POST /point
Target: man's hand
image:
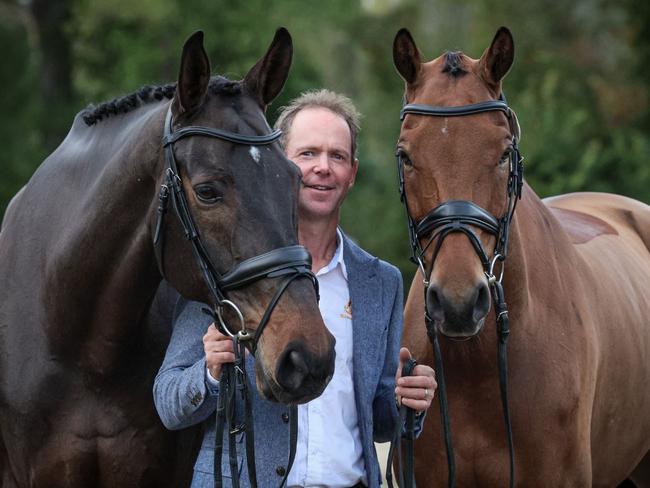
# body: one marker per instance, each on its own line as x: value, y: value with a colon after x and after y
x: 415, y: 391
x: 218, y: 350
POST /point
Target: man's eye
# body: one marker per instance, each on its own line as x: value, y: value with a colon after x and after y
x: 207, y: 193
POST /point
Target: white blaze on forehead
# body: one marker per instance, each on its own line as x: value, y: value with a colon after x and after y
x: 255, y: 153
x: 444, y: 129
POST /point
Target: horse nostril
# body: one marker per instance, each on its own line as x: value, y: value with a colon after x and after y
x: 482, y: 303
x: 292, y: 370
x: 435, y: 302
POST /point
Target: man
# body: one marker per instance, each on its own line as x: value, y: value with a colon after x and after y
x: 361, y: 304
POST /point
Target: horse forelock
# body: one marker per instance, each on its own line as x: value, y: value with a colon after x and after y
x: 453, y: 64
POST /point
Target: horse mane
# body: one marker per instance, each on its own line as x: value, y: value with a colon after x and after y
x: 453, y: 64
x: 147, y: 94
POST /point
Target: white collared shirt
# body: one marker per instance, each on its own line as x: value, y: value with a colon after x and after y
x: 329, y: 452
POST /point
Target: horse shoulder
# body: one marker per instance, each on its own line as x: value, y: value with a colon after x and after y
x: 585, y: 216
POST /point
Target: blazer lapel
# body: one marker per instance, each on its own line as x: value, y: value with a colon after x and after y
x: 365, y: 296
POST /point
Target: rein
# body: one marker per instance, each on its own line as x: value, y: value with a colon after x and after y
x: 288, y: 263
x: 406, y: 471
x: 460, y: 216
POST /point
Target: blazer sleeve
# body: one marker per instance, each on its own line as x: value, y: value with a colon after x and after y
x: 180, y: 390
x: 385, y: 413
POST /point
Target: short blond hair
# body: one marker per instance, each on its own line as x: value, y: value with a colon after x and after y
x: 323, y: 98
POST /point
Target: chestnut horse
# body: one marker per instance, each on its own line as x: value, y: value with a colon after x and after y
x: 576, y: 282
x: 84, y: 319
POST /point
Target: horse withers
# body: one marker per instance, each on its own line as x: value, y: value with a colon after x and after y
x: 84, y: 318
x: 575, y: 281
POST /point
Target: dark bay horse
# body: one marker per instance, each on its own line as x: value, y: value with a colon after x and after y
x: 84, y: 318
x: 576, y: 281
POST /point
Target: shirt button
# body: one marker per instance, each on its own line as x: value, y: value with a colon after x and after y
x: 285, y: 418
x: 280, y: 470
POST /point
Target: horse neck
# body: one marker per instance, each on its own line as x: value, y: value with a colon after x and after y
x: 105, y: 255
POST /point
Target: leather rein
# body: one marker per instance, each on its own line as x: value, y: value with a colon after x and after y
x: 288, y: 263
x: 461, y: 216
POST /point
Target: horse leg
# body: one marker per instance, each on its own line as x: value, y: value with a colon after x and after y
x: 641, y: 474
x: 640, y: 477
x: 628, y: 483
x: 7, y: 479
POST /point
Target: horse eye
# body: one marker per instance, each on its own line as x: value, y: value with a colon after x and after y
x: 404, y: 159
x: 207, y: 193
x: 505, y: 158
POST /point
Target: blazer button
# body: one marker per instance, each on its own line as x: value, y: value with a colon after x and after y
x: 280, y: 470
x: 285, y: 418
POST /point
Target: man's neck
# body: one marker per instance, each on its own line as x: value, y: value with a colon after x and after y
x: 319, y: 237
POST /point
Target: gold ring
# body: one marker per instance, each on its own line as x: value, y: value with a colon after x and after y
x: 426, y: 393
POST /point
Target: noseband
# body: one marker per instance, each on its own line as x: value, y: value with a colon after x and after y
x: 464, y: 216
x: 289, y: 263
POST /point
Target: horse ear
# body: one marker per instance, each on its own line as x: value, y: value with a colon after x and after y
x: 194, y: 75
x: 406, y: 56
x: 497, y: 59
x: 266, y: 79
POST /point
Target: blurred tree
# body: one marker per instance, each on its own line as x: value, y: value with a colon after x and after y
x: 55, y: 77
x: 22, y: 143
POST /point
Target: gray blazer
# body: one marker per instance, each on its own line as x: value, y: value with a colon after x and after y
x: 183, y: 398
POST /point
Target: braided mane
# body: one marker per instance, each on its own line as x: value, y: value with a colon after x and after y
x: 147, y: 94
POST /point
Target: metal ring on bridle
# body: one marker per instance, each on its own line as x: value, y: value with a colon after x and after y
x: 242, y: 333
x: 490, y: 273
x: 420, y: 264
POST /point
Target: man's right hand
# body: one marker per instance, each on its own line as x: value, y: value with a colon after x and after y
x: 218, y: 350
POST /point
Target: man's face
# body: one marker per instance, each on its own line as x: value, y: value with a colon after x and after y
x: 319, y: 143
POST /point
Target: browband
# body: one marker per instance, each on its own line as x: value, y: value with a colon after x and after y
x: 473, y: 108
x: 193, y: 130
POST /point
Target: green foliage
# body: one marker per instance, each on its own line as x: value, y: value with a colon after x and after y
x: 579, y: 83
x: 22, y: 144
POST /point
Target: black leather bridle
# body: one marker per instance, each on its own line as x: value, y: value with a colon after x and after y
x: 462, y: 216
x: 289, y: 263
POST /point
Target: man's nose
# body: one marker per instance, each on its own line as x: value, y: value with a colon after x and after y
x: 322, y: 164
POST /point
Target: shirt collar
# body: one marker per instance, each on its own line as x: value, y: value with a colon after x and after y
x: 337, y: 258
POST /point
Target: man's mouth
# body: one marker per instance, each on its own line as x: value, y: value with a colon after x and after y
x: 319, y: 187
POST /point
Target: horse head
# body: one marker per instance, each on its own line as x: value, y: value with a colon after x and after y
x: 239, y: 211
x: 456, y: 152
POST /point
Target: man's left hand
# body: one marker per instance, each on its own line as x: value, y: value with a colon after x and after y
x: 415, y: 391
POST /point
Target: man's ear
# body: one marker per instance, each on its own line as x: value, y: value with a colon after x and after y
x: 355, y: 166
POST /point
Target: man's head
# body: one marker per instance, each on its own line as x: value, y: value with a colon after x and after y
x: 319, y: 135
x: 335, y: 102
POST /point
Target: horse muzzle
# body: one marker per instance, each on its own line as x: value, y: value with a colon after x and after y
x: 299, y: 375
x: 457, y: 316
